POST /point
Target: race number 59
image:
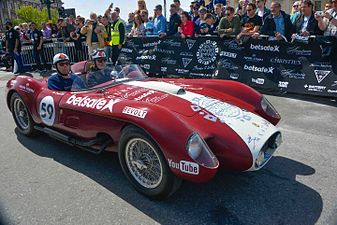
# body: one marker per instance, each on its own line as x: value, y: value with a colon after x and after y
x: 47, y: 110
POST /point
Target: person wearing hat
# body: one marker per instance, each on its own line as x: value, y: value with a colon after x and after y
x: 63, y: 79
x: 13, y: 46
x: 200, y: 23
x: 99, y: 73
x: 36, y: 38
x: 159, y: 21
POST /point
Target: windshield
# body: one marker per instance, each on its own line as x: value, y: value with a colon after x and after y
x: 109, y: 76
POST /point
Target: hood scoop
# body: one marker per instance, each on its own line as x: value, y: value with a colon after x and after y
x: 159, y: 86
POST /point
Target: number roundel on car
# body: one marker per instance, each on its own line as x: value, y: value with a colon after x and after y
x: 47, y: 110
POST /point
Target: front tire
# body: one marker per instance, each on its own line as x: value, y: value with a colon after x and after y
x: 21, y: 115
x: 145, y: 166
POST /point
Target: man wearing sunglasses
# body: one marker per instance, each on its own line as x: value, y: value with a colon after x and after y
x: 100, y: 73
x: 63, y: 79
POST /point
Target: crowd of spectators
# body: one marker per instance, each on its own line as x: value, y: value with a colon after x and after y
x: 108, y: 31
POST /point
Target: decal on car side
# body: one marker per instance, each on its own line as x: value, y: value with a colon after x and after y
x: 185, y: 166
x: 47, y: 110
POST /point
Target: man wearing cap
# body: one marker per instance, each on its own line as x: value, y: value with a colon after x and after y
x: 36, y: 38
x: 13, y: 46
x: 63, y: 79
x: 201, y: 22
x: 159, y: 21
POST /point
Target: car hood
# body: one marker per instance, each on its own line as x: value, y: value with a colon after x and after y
x: 191, y: 101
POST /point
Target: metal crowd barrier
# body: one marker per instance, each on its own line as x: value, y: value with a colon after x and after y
x: 50, y: 49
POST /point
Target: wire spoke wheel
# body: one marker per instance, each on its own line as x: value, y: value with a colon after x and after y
x: 21, y: 113
x: 143, y: 163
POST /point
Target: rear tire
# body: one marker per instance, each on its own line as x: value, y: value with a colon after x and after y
x: 21, y: 115
x: 145, y: 166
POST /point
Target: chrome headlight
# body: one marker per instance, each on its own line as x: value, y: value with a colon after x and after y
x: 269, y: 108
x: 198, y: 150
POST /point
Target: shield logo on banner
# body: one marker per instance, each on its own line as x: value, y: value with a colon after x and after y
x: 190, y: 43
x: 321, y: 75
x: 186, y: 61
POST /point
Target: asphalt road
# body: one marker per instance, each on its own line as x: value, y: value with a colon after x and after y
x: 43, y: 181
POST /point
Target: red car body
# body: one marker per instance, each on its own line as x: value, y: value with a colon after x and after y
x: 230, y: 117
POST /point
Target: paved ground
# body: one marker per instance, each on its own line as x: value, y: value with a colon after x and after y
x: 43, y: 181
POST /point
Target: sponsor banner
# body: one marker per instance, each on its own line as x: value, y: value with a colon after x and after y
x: 271, y: 65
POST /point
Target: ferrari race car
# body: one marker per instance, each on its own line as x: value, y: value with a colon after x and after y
x: 164, y: 130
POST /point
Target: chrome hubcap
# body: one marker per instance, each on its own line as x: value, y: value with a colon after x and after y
x: 143, y: 163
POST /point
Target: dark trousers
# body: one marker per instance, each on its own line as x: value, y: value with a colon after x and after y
x: 39, y: 57
x: 17, y: 57
x: 115, y: 51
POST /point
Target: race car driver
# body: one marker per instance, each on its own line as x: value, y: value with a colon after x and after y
x: 63, y: 79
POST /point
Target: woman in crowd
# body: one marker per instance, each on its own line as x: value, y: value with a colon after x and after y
x: 186, y: 28
x: 141, y: 5
x: 148, y: 24
x: 138, y: 27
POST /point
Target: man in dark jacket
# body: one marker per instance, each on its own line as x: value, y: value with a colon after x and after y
x: 305, y: 24
x: 13, y: 46
x: 278, y: 23
x: 175, y: 21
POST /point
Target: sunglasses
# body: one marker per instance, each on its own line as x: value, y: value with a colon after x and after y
x: 101, y: 60
x: 295, y: 6
x: 64, y: 64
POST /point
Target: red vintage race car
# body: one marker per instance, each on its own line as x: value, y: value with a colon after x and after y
x: 164, y: 130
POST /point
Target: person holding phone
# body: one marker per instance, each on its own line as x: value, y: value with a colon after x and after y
x: 96, y: 33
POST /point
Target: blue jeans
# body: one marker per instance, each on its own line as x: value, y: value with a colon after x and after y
x: 17, y: 57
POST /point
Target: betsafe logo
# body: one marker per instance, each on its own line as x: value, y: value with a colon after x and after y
x: 269, y: 48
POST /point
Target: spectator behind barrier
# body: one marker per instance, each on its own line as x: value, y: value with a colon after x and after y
x: 129, y: 24
x: 328, y: 5
x: 148, y: 25
x: 295, y: 11
x: 66, y: 29
x: 78, y: 38
x: 36, y: 38
x: 141, y: 5
x: 174, y: 22
x: 327, y: 21
x: 159, y: 21
x: 179, y: 10
x: 229, y: 25
x: 219, y: 13
x: 13, y: 46
x: 251, y: 23
x: 278, y: 23
x: 208, y: 28
x: 202, y: 20
x: 305, y: 24
x: 118, y: 37
x: 138, y: 27
x: 262, y: 11
x: 46, y: 31
x: 107, y: 40
x: 186, y: 28
x: 95, y: 33
x: 63, y: 79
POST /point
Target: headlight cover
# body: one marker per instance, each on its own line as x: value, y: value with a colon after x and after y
x: 198, y: 150
x: 269, y: 108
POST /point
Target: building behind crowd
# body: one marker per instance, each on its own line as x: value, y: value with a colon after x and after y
x: 8, y: 8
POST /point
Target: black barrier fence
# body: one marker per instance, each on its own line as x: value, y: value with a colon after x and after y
x: 304, y: 68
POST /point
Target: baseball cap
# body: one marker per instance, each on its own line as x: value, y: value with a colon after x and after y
x: 202, y: 10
